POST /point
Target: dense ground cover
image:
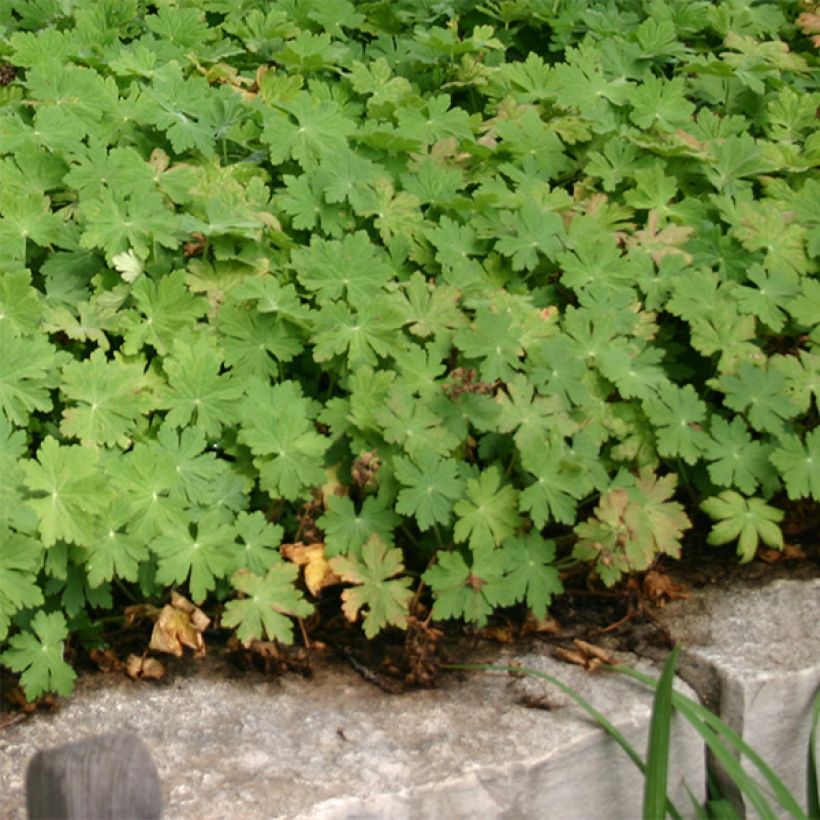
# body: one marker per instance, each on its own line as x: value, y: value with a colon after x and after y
x: 438, y: 297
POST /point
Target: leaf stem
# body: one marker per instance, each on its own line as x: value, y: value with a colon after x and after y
x: 124, y: 590
x: 404, y: 528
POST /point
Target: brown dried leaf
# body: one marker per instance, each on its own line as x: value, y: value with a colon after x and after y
x: 500, y: 634
x: 365, y: 468
x: 198, y: 618
x: 105, y: 660
x: 139, y: 612
x: 17, y: 697
x: 271, y: 658
x: 570, y: 656
x: 420, y: 651
x: 540, y: 626
x: 593, y: 651
x: 180, y: 623
x: 586, y: 654
x: 140, y: 668
x: 308, y: 530
x: 317, y: 571
x: 660, y: 588
x: 267, y: 649
x: 196, y: 245
x: 790, y: 552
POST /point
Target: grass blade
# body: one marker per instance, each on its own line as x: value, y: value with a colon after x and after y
x: 717, y: 735
x: 584, y: 704
x: 700, y: 811
x: 732, y: 766
x: 721, y: 810
x: 813, y: 793
x: 717, y: 806
x: 713, y: 809
x: 657, y: 751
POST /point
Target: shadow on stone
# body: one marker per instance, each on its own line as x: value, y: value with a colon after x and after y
x: 103, y: 777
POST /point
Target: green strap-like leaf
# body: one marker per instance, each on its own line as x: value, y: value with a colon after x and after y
x: 657, y: 753
x: 726, y: 744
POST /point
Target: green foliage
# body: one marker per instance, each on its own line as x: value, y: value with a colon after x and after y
x: 745, y: 520
x: 198, y: 553
x: 453, y: 278
x: 266, y: 604
x: 66, y: 490
x: 20, y: 562
x: 488, y: 513
x: 470, y: 591
x: 531, y: 576
x: 376, y: 592
x: 430, y: 487
x: 799, y: 463
x: 38, y: 654
x: 348, y: 529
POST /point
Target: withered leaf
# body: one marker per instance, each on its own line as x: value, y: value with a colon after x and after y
x: 502, y: 633
x: 139, y: 612
x: 17, y: 696
x: 540, y: 626
x: 660, y: 588
x: 570, y: 656
x: 585, y: 654
x: 317, y: 571
x: 267, y: 649
x: 365, y: 468
x: 199, y: 619
x: 105, y: 660
x: 594, y: 651
x: 790, y: 552
x: 138, y: 667
x: 180, y: 623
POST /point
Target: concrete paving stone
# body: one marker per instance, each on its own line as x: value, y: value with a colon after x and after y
x: 761, y: 645
x: 336, y: 747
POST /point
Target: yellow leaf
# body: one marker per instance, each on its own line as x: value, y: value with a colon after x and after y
x: 317, y: 571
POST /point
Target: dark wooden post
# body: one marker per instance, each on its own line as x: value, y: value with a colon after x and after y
x: 105, y: 777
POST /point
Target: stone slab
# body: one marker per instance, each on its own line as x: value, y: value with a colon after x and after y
x: 761, y: 646
x: 336, y: 747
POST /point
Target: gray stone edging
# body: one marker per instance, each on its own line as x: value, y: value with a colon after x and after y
x: 336, y: 747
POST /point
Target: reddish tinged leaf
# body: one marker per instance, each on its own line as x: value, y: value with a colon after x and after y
x: 377, y: 594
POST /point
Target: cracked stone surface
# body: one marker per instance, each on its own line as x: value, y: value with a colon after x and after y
x: 760, y: 648
x: 336, y: 747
